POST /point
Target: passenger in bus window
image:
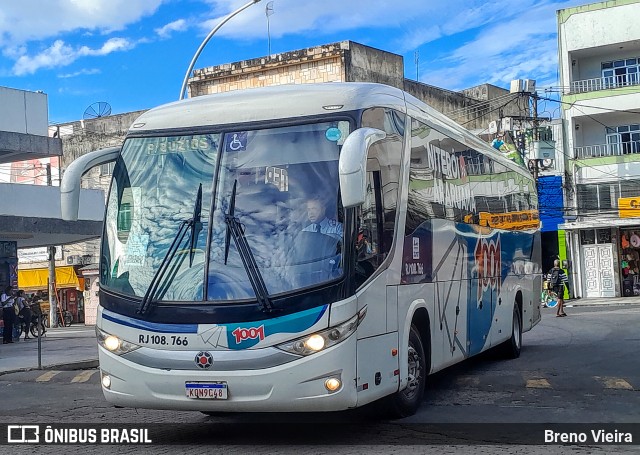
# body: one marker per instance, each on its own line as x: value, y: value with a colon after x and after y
x: 319, y: 222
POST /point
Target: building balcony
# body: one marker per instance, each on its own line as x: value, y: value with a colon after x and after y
x: 597, y: 151
x: 604, y: 83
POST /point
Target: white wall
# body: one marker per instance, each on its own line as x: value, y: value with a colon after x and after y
x: 44, y: 202
x: 601, y: 27
x: 23, y: 112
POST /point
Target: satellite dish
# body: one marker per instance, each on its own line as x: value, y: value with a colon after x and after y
x: 98, y: 109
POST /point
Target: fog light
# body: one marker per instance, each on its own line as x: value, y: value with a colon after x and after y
x: 106, y: 381
x: 111, y: 343
x: 332, y: 384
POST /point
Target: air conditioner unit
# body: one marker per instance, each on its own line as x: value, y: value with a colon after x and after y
x: 542, y: 150
x: 530, y: 85
x: 73, y: 260
x: 517, y: 86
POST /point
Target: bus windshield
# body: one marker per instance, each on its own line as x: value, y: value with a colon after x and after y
x: 285, y: 203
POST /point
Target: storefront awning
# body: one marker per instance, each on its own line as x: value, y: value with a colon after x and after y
x: 38, y: 279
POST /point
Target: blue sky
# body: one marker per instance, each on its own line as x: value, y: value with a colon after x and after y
x: 133, y: 54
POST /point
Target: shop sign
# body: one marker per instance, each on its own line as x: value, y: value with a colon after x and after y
x: 629, y: 207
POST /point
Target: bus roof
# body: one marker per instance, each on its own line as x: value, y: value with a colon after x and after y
x: 267, y: 103
x: 300, y: 100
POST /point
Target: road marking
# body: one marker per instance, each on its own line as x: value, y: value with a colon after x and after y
x: 47, y: 376
x: 613, y: 383
x: 84, y: 376
x: 538, y: 384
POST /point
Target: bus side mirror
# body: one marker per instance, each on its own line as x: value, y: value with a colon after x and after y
x: 353, y: 165
x: 70, y: 185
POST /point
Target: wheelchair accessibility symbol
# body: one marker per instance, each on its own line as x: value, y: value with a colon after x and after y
x: 236, y: 141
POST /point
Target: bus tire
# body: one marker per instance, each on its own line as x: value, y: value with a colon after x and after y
x: 512, y: 347
x: 406, y: 402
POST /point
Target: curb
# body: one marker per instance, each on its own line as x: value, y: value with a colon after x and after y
x: 585, y: 302
x: 70, y: 366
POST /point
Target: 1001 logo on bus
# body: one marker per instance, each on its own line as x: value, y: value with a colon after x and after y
x: 252, y: 333
x: 489, y: 265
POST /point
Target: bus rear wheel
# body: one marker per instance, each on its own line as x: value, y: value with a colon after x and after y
x: 512, y: 347
x: 407, y: 401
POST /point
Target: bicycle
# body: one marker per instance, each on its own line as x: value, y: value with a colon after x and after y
x: 66, y: 320
x: 32, y: 327
x: 548, y: 298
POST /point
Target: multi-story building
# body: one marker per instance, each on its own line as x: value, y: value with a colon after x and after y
x: 599, y: 56
x: 30, y: 218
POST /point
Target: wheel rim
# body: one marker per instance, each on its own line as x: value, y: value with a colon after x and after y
x: 415, y: 374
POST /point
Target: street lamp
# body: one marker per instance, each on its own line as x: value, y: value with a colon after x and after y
x: 206, y: 40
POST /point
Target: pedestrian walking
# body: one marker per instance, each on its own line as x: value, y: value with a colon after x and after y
x: 558, y: 280
x: 24, y: 313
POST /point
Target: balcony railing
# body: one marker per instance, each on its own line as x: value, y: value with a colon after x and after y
x: 595, y: 151
x: 604, y: 83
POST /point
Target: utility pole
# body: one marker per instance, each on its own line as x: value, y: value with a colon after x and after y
x: 535, y: 136
x: 53, y: 298
x: 417, y: 60
x: 268, y: 11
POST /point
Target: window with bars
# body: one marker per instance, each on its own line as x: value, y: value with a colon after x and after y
x: 620, y: 73
x: 624, y: 139
x: 107, y: 168
x: 602, y: 198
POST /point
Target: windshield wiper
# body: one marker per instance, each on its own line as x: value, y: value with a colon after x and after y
x: 196, y: 225
x: 158, y: 277
x: 235, y: 230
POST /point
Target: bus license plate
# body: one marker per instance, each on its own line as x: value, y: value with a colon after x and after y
x: 206, y: 390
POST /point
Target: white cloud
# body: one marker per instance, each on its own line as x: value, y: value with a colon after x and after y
x: 22, y: 21
x: 511, y: 38
x: 320, y: 17
x: 61, y: 54
x: 176, y: 26
x: 522, y: 45
x: 82, y: 72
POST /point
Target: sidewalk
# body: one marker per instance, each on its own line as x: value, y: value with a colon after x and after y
x: 66, y: 348
x: 635, y: 300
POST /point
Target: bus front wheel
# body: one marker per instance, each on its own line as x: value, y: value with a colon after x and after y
x: 407, y: 401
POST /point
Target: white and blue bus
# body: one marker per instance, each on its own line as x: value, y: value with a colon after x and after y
x: 216, y: 296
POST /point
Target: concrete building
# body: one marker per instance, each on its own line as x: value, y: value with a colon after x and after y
x: 599, y: 57
x: 347, y: 61
x: 551, y: 183
x: 30, y: 218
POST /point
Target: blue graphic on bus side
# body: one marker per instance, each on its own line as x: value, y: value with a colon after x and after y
x: 488, y: 259
x: 492, y: 258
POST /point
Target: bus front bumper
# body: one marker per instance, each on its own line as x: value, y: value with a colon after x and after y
x: 296, y: 386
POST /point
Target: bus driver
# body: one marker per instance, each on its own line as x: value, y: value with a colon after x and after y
x: 316, y: 213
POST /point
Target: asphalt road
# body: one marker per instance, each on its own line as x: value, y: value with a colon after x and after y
x: 581, y: 369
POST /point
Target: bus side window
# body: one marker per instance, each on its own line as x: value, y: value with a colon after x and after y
x: 368, y: 241
x: 378, y: 217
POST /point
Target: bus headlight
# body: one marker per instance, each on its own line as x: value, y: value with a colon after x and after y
x: 114, y: 344
x: 318, y: 341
